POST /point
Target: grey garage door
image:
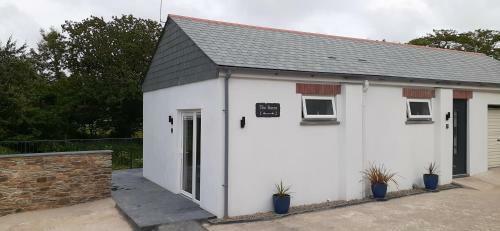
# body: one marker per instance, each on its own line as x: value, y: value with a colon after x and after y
x: 493, y: 137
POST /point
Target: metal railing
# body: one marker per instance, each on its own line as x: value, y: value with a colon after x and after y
x: 127, y: 152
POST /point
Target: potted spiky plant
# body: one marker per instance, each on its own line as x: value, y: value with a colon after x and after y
x: 281, y: 198
x: 379, y: 178
x: 431, y: 179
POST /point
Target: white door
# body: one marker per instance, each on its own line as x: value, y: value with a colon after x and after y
x: 493, y: 137
x: 191, y: 155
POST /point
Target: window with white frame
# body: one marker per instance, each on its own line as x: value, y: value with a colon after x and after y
x: 319, y: 108
x: 419, y: 109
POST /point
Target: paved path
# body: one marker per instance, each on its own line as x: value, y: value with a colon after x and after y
x: 456, y: 209
x: 148, y: 205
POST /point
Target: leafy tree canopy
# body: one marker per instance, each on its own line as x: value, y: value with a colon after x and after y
x: 17, y: 79
x: 482, y: 41
x: 80, y: 81
x: 107, y: 61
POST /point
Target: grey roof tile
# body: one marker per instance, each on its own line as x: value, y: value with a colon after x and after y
x: 229, y: 44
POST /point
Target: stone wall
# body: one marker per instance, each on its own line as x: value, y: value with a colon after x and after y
x: 50, y: 180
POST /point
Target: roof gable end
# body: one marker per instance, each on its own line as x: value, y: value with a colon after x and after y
x: 177, y: 61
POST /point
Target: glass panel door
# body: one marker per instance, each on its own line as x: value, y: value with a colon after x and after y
x: 191, y: 159
x: 187, y: 160
x: 198, y: 156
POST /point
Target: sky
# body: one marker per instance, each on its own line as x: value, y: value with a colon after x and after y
x: 392, y: 20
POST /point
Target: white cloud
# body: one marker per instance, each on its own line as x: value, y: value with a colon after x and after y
x: 393, y: 20
x: 21, y: 26
x: 399, y: 20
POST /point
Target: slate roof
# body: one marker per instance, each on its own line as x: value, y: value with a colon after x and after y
x: 237, y: 45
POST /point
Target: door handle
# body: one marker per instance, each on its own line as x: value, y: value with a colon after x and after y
x: 498, y: 139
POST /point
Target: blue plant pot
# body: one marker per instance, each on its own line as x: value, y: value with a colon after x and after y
x: 379, y: 190
x: 281, y: 204
x: 431, y: 181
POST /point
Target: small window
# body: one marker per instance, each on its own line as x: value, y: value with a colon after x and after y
x: 419, y: 109
x: 318, y: 108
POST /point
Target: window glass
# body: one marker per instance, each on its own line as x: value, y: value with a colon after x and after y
x: 419, y: 108
x: 319, y: 106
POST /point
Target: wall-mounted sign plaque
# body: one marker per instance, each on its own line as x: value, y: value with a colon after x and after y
x: 267, y: 109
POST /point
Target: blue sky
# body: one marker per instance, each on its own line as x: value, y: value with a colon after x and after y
x: 393, y: 20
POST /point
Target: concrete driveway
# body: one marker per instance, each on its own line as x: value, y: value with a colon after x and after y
x: 98, y: 215
x: 457, y: 209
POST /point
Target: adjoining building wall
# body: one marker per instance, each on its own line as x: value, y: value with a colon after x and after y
x: 163, y: 143
x: 477, y: 155
x: 51, y: 180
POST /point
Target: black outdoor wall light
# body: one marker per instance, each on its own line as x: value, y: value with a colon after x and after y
x: 242, y: 122
x: 171, y: 121
x: 448, y: 115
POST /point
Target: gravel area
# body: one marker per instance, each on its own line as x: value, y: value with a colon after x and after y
x: 323, y: 206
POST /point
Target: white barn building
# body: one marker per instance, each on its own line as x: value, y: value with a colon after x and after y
x: 230, y: 110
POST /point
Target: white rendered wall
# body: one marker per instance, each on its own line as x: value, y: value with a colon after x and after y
x: 406, y: 149
x: 162, y: 149
x: 477, y: 155
x: 268, y: 150
x: 323, y: 162
x: 443, y: 129
x: 351, y: 142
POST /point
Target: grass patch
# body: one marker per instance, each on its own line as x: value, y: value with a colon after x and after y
x: 5, y: 151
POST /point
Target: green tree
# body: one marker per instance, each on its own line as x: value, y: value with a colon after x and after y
x: 17, y: 79
x: 107, y: 61
x: 50, y: 55
x: 82, y: 81
x: 94, y: 68
x: 483, y: 41
x: 53, y: 116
